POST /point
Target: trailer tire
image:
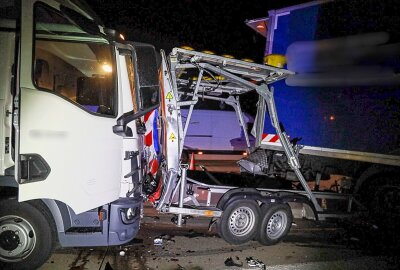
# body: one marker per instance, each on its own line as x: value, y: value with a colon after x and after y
x: 239, y: 222
x: 27, y: 236
x: 275, y: 224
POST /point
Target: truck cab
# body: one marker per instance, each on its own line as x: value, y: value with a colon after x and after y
x: 72, y: 94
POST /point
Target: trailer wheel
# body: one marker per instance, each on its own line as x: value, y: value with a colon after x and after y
x: 239, y: 222
x: 26, y: 237
x: 276, y: 223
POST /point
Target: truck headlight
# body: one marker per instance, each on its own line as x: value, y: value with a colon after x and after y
x: 128, y: 215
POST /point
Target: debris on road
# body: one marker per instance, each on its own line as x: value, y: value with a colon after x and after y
x: 122, y: 253
x: 229, y: 262
x: 158, y: 241
x: 180, y: 267
x: 255, y: 264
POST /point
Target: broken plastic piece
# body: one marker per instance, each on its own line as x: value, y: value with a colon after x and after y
x: 158, y: 241
x: 254, y: 263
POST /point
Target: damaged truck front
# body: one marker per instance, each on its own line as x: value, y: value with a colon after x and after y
x: 71, y: 97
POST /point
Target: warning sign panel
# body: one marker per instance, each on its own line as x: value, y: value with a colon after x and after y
x: 172, y: 137
x: 169, y: 96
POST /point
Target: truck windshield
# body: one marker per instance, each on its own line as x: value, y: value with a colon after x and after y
x: 72, y: 63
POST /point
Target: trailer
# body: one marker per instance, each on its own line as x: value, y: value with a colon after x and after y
x: 240, y: 214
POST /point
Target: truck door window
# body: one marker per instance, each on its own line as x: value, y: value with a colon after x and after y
x: 72, y: 63
x: 131, y: 75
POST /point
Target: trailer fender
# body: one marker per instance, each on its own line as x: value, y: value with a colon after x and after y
x: 296, y: 198
x: 238, y: 194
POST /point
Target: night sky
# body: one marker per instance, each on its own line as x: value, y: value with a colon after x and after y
x: 216, y: 25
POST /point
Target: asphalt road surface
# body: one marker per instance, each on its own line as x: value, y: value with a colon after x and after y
x: 308, y: 246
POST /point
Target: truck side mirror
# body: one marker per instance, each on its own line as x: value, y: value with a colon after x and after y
x: 147, y: 86
x: 147, y: 82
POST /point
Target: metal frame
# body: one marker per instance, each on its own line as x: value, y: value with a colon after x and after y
x: 239, y: 77
x: 384, y: 159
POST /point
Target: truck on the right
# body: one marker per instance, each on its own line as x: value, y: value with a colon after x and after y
x: 342, y: 108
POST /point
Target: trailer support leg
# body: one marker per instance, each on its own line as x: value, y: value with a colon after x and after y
x: 182, y: 188
x: 290, y: 151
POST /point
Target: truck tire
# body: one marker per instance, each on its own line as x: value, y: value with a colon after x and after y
x: 379, y: 193
x: 239, y: 222
x: 26, y: 235
x: 275, y: 224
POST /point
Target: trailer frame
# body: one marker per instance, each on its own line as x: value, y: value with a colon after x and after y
x: 184, y: 196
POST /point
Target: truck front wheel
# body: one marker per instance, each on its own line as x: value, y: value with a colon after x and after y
x: 276, y: 223
x: 26, y: 237
x: 239, y: 222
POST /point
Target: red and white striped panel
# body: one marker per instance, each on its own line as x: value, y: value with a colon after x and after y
x: 270, y: 139
x: 148, y: 121
x: 151, y: 143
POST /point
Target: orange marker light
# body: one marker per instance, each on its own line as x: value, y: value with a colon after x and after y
x: 209, y: 213
x: 208, y: 52
x: 260, y: 26
x: 228, y: 56
x: 187, y: 48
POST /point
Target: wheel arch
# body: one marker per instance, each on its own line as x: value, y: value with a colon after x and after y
x: 238, y: 194
x: 52, y: 209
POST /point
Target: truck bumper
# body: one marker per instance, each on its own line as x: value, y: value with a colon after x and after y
x: 125, y: 215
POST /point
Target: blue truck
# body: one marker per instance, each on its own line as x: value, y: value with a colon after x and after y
x: 345, y: 116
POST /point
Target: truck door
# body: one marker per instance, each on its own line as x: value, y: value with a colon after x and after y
x: 68, y: 106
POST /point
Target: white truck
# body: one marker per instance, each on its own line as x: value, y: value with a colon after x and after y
x: 72, y: 94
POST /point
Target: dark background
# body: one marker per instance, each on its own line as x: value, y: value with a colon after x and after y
x: 219, y: 25
x: 216, y: 25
